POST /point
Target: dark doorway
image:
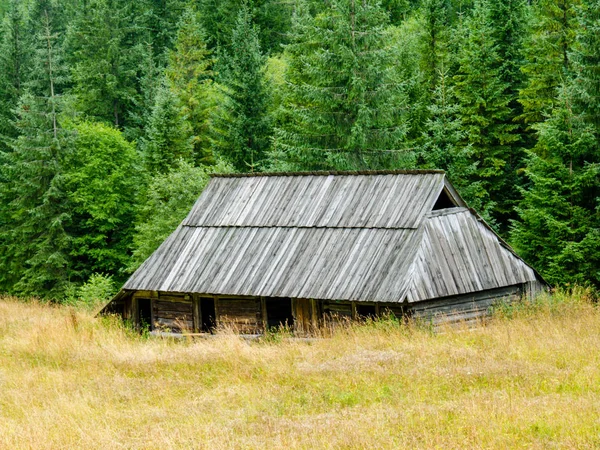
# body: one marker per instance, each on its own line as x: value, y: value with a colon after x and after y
x: 365, y: 311
x: 208, y: 314
x: 279, y: 312
x: 145, y: 313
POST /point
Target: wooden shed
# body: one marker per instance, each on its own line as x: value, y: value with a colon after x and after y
x: 261, y: 250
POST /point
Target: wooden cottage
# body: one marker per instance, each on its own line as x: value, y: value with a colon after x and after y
x: 261, y: 250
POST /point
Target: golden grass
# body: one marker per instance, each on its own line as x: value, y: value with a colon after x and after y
x: 530, y: 378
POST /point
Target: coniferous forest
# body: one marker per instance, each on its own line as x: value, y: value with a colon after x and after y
x: 113, y: 115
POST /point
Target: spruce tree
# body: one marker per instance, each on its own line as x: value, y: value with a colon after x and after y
x: 434, y: 38
x: 548, y: 56
x: 487, y: 84
x: 343, y: 106
x: 190, y: 77
x: 244, y: 129
x: 105, y: 49
x: 441, y: 146
x: 34, y: 242
x: 168, y: 136
x: 272, y: 17
x: 161, y: 21
x: 14, y: 66
x: 559, y: 226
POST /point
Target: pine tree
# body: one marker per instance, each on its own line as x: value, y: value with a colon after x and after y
x: 34, y: 242
x: 190, y: 78
x: 244, y: 130
x: 343, y: 107
x: 548, y: 55
x: 559, y: 226
x: 168, y: 134
x: 487, y: 84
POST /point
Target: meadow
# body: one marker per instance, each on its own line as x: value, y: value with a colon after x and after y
x: 528, y: 378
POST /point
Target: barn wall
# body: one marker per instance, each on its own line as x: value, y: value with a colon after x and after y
x: 463, y: 308
x: 173, y: 312
x: 337, y: 309
x: 181, y: 313
x: 242, y: 314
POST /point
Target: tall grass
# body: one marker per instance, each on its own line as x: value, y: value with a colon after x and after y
x: 529, y: 378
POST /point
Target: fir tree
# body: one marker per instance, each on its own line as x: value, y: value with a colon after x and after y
x: 487, y: 83
x: 190, y: 78
x: 441, y: 147
x: 168, y: 134
x: 245, y: 126
x: 559, y: 226
x: 35, y: 246
x: 548, y: 55
x: 272, y: 17
x: 343, y: 107
x: 105, y: 51
x: 14, y: 61
x: 434, y: 38
x: 162, y: 18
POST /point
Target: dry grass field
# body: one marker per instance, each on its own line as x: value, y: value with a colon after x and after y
x: 528, y: 379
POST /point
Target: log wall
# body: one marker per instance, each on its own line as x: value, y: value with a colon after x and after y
x: 468, y: 308
x: 242, y: 314
x: 174, y: 313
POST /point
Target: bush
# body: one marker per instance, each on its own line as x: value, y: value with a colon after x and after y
x: 97, y: 290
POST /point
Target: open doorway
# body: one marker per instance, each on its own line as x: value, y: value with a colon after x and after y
x: 279, y: 312
x: 208, y: 314
x: 144, y: 313
x: 365, y: 311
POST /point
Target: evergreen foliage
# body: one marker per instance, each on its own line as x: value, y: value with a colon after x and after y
x: 105, y: 52
x: 244, y: 128
x: 168, y: 134
x: 487, y: 84
x: 435, y: 38
x: 190, y: 78
x: 272, y: 17
x: 343, y: 106
x: 441, y: 147
x: 548, y: 56
x: 15, y: 58
x: 112, y: 113
x: 559, y: 227
x: 34, y: 242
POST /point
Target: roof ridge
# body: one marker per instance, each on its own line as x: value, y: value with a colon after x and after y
x: 328, y: 172
x: 317, y: 227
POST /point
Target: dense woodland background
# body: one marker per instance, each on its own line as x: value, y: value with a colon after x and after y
x: 114, y: 113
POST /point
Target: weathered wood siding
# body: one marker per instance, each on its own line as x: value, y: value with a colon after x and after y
x: 337, y: 309
x: 459, y: 255
x: 242, y: 314
x: 463, y: 308
x: 173, y: 313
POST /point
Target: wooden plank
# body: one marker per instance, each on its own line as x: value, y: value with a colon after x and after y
x: 197, y: 312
